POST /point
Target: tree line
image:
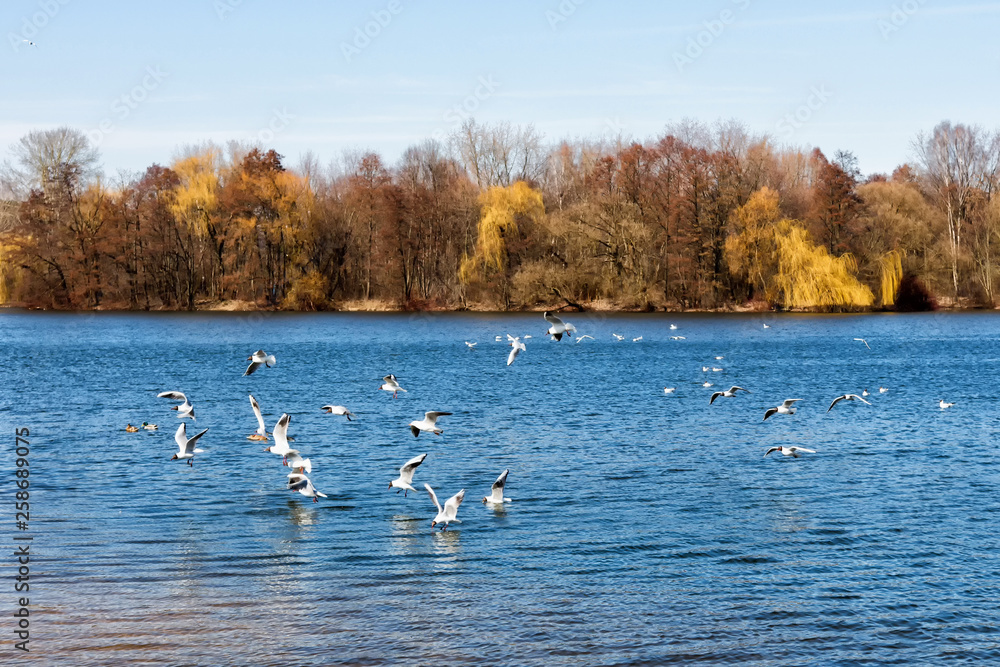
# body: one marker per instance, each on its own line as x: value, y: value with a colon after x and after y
x: 700, y: 217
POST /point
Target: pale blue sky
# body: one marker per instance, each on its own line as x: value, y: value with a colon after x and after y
x: 192, y: 70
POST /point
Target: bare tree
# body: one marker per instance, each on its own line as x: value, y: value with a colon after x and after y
x: 50, y: 160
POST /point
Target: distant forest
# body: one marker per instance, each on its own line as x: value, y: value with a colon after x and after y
x: 702, y: 217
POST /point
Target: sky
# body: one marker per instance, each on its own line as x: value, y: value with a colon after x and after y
x: 146, y: 79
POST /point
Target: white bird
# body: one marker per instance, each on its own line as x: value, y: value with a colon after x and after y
x: 391, y: 384
x: 558, y: 327
x: 673, y: 327
x: 580, y: 338
x: 516, y: 348
x: 706, y: 383
x: 185, y: 445
x: 183, y: 410
x: 29, y: 42
x: 865, y: 342
x: 261, y: 432
x: 729, y: 393
x: 618, y: 336
x: 847, y: 397
x: 943, y: 405
x: 258, y: 359
x: 428, y: 423
x: 499, y: 338
x: 299, y: 482
x: 338, y: 410
x: 865, y: 393
x: 882, y: 390
x: 449, y: 513
x: 705, y: 369
x: 669, y: 390
x: 716, y: 369
x: 637, y: 339
x: 790, y: 451
x: 719, y: 358
x: 471, y: 346
x: 527, y: 336
x: 405, y: 479
x: 496, y: 491
x: 294, y: 460
x: 280, y: 433
x: 678, y: 338
x: 786, y: 408
x: 767, y: 326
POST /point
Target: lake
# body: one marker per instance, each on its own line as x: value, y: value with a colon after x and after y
x: 646, y: 528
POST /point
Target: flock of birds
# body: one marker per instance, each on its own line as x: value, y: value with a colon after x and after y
x: 301, y: 467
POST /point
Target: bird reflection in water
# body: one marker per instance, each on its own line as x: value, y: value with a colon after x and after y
x: 302, y: 514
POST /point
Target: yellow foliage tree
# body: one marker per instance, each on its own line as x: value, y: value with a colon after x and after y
x: 778, y: 256
x: 500, y: 208
x: 891, y: 270
x: 196, y: 196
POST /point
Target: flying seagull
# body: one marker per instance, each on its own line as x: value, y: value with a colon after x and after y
x: 847, y: 397
x: 183, y: 410
x: 790, y: 451
x: 299, y: 482
x: 338, y: 410
x: 558, y: 327
x: 391, y: 384
x: 185, y: 445
x: 449, y: 513
x: 865, y: 342
x: 516, y: 348
x: 471, y: 346
x: 258, y: 359
x: 729, y: 393
x: 580, y: 338
x: 428, y: 423
x: 496, y: 491
x: 405, y: 479
x: 786, y: 408
x: 280, y: 433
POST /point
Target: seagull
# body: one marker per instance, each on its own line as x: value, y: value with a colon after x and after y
x: 185, y: 444
x: 865, y: 393
x: 516, y: 347
x: 618, y: 336
x: 499, y: 338
x: 405, y: 479
x: 790, y: 451
x: 719, y: 358
x: 669, y: 390
x: 428, y: 423
x: 865, y: 342
x: 496, y: 492
x: 767, y: 326
x: 636, y: 340
x: 580, y: 338
x: 882, y: 390
x: 786, y: 408
x: 943, y: 405
x: 729, y: 393
x: 704, y: 369
x: 678, y: 338
x: 391, y: 385
x: 299, y: 482
x: 149, y: 427
x: 261, y: 432
x: 184, y: 410
x: 706, y: 383
x: 280, y: 433
x: 716, y: 369
x: 256, y: 359
x: 847, y: 397
x: 558, y: 327
x: 471, y: 346
x: 338, y: 410
x: 450, y: 511
x: 294, y: 460
x: 673, y: 327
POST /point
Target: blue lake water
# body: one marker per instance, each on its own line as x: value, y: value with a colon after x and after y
x: 646, y: 528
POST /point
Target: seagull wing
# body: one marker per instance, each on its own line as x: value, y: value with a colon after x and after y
x: 451, y: 505
x: 415, y: 431
x: 802, y: 449
x: 254, y: 365
x: 281, y: 434
x: 773, y: 449
x: 406, y: 472
x: 432, y: 417
x: 189, y: 446
x: 767, y: 414
x: 433, y: 496
x: 261, y: 429
x: 788, y: 402
x: 513, y: 355
x: 735, y: 389
x: 549, y: 317
x: 173, y: 395
x: 858, y: 398
x: 838, y: 400
x: 715, y: 396
x: 180, y: 437
x: 497, y: 488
